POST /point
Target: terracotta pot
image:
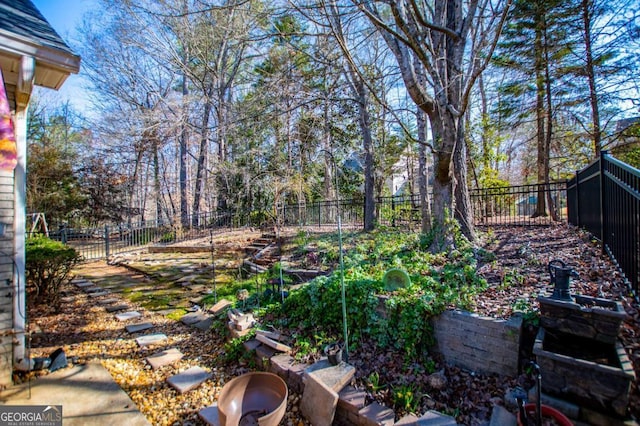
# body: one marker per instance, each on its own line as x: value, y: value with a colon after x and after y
x: 547, y: 412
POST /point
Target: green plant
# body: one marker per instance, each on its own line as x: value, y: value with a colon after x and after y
x: 405, y: 398
x: 530, y: 315
x: 373, y: 382
x: 511, y: 278
x: 48, y: 265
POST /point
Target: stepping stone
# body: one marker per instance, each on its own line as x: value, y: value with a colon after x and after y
x: 166, y: 357
x: 99, y: 293
x: 193, y: 317
x: 210, y: 415
x: 220, y: 306
x: 116, y: 308
x: 108, y: 301
x: 151, y: 339
x: 189, y: 379
x: 135, y: 328
x: 187, y: 278
x: 91, y: 289
x: 83, y: 284
x: 128, y: 315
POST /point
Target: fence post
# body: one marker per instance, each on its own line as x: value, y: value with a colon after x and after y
x: 603, y: 215
x: 577, y: 200
x: 106, y: 241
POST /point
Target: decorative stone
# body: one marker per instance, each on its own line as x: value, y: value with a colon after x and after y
x: 189, y: 379
x: 590, y: 317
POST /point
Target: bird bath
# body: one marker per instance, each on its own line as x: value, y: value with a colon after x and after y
x: 256, y: 398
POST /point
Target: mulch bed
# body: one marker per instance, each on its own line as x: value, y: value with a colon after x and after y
x: 87, y: 332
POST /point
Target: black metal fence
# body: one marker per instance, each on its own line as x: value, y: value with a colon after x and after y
x: 523, y: 205
x: 604, y: 199
x: 515, y: 205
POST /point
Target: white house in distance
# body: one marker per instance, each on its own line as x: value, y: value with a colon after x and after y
x: 31, y: 53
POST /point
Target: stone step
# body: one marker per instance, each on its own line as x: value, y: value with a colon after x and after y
x: 166, y: 357
x: 376, y: 414
x: 136, y: 328
x: 91, y: 289
x: 319, y: 401
x: 335, y: 377
x: 83, y: 283
x: 99, y: 293
x: 108, y: 301
x: 151, y: 339
x: 204, y: 325
x: 220, y: 306
x: 125, y: 316
x: 189, y: 379
x: 210, y: 415
x: 116, y: 308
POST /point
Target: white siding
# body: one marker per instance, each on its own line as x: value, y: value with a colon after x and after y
x: 6, y: 279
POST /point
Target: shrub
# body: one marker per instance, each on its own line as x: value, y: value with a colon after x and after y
x: 48, y: 265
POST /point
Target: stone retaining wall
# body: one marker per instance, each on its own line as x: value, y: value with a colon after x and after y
x: 478, y: 343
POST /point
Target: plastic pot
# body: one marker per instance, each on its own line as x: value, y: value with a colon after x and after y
x: 547, y: 412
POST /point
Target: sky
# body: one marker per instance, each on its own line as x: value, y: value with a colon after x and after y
x: 65, y: 16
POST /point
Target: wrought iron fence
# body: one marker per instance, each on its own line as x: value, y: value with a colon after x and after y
x: 604, y: 199
x: 514, y: 205
x: 102, y: 242
x: 523, y: 205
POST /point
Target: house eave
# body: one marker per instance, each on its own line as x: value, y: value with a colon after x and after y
x: 53, y: 65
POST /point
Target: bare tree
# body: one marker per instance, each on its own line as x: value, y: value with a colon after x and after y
x: 436, y: 36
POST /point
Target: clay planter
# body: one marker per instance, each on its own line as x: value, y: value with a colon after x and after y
x: 548, y: 413
x: 254, y: 398
x: 594, y: 374
x: 584, y: 316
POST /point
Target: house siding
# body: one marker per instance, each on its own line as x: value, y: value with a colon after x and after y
x: 6, y: 279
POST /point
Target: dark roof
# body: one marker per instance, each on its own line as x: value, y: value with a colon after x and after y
x: 21, y: 17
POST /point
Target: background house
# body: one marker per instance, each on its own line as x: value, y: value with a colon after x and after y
x: 31, y: 53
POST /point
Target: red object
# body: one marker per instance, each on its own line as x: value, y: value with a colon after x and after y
x: 548, y: 412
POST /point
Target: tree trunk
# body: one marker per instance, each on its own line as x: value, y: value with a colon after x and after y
x: 541, y: 159
x: 367, y: 144
x: 425, y: 203
x: 591, y: 79
x: 184, y: 207
x: 202, y: 161
x: 463, y: 212
x: 444, y: 136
